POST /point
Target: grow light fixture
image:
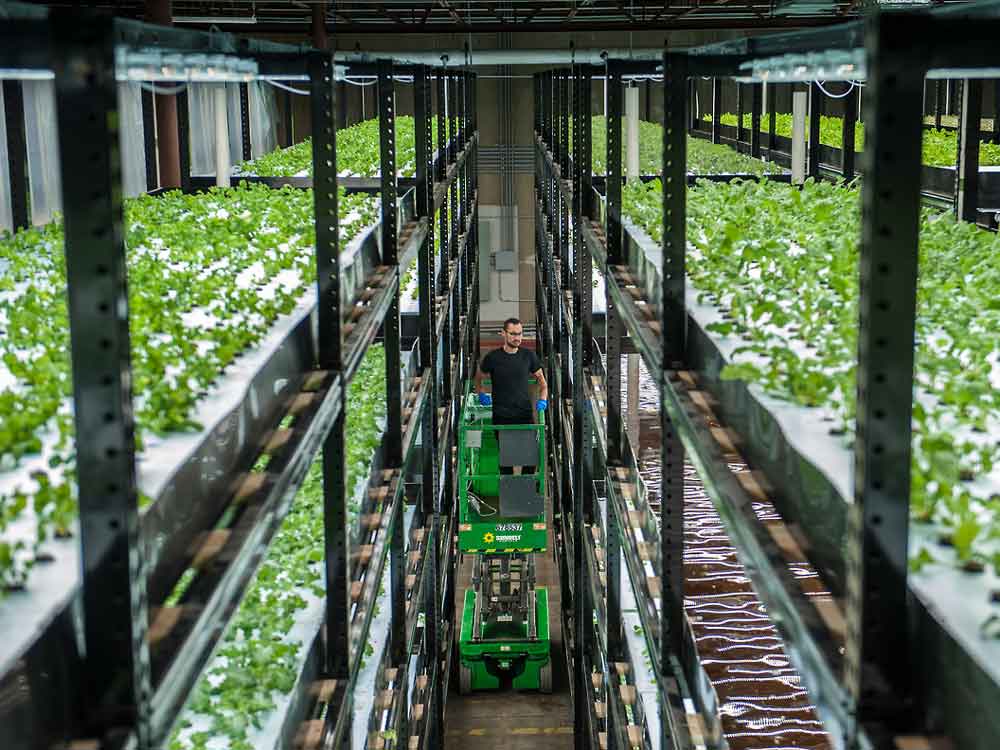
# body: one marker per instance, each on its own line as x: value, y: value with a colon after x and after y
x: 804, y: 7
x: 150, y: 64
x: 217, y: 20
x: 26, y: 74
x: 834, y: 65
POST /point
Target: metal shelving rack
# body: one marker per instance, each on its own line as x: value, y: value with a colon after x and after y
x: 973, y: 193
x: 887, y: 660
x: 129, y: 681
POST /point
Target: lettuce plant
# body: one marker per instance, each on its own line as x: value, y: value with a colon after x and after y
x: 357, y: 152
x: 257, y: 660
x: 940, y: 147
x: 702, y: 157
x: 208, y: 276
x: 782, y: 264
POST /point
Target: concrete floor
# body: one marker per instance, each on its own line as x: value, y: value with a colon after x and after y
x: 508, y: 719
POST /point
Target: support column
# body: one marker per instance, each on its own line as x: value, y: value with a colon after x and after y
x: 815, y: 111
x: 799, y: 101
x: 967, y: 175
x: 740, y: 130
x: 430, y: 506
x: 149, y: 141
x: 995, y: 139
x: 391, y: 340
x: 847, y: 146
x: 674, y: 342
x: 17, y: 153
x: 632, y: 141
x: 338, y: 597
x: 716, y: 110
x: 772, y: 126
x: 159, y: 12
x: 183, y: 132
x: 582, y: 481
x: 877, y: 652
x: 756, y: 95
x: 223, y: 168
x: 938, y: 102
x: 245, y: 135
x: 115, y: 613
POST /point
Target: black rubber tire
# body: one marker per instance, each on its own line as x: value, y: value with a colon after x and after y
x: 464, y: 680
x: 545, y: 678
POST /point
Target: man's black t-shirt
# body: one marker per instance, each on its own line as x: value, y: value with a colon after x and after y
x: 509, y: 375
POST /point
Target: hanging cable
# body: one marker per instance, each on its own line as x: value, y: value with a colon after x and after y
x: 286, y: 87
x: 819, y: 85
x: 162, y: 90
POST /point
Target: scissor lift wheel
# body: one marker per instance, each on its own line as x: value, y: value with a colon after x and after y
x: 545, y: 678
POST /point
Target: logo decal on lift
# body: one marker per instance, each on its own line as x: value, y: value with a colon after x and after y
x: 488, y: 537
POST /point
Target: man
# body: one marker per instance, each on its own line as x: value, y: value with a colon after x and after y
x: 509, y: 368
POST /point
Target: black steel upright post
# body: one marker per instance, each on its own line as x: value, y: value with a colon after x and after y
x: 967, y: 175
x: 772, y: 126
x: 938, y: 102
x: 114, y: 587
x: 756, y: 96
x: 422, y: 109
x: 815, y: 112
x: 17, y: 153
x: 451, y: 83
x: 564, y: 175
x: 847, y: 153
x: 582, y: 475
x: 995, y: 136
x: 391, y: 340
x: 184, y: 140
x: 324, y: 135
x: 613, y: 193
x: 289, y: 121
x: 674, y: 333
x: 739, y: 115
x: 877, y: 667
x: 614, y: 329
x: 716, y: 110
x: 245, y: 121
x: 693, y: 114
x: 149, y: 140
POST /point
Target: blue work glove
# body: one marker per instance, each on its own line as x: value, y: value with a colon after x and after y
x: 542, y: 404
x: 485, y: 399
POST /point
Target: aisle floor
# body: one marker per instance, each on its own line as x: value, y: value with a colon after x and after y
x: 510, y: 719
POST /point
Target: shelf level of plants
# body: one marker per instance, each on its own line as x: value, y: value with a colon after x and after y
x: 940, y: 147
x: 782, y: 264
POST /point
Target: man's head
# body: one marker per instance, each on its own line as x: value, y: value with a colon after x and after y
x: 512, y: 333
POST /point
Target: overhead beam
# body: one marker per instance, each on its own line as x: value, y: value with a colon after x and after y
x: 669, y: 23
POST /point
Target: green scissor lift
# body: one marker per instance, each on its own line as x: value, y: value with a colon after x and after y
x: 505, y: 618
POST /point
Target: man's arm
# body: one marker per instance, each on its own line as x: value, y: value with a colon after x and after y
x: 480, y: 375
x: 543, y: 387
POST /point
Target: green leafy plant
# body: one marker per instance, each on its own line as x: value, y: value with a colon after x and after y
x: 208, y: 276
x: 702, y: 157
x: 257, y: 660
x: 940, y: 147
x: 782, y: 265
x: 357, y: 152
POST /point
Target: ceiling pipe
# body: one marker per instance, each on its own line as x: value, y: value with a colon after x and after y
x: 502, y: 56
